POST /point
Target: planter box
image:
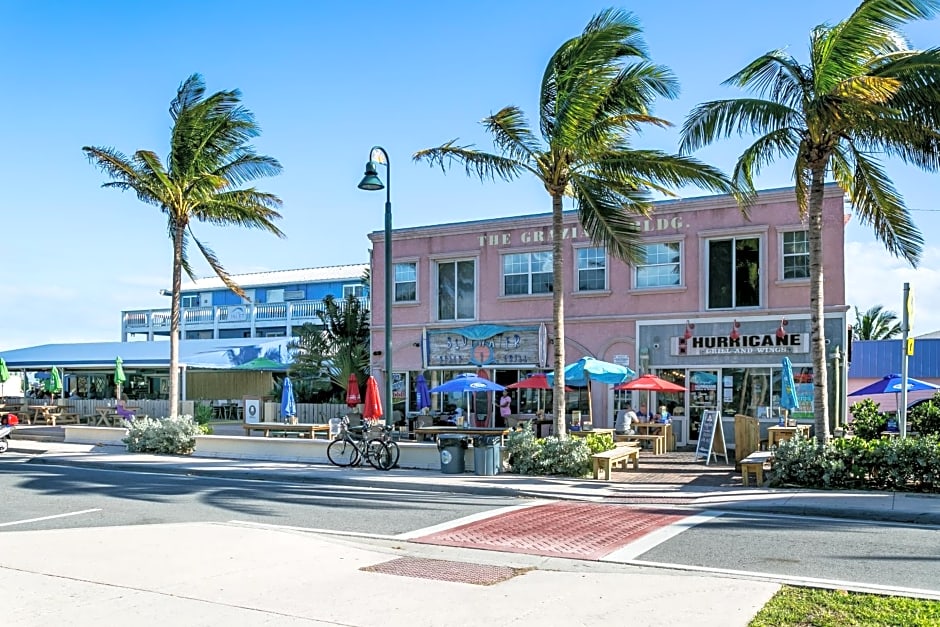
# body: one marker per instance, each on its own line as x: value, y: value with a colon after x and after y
x: 83, y: 434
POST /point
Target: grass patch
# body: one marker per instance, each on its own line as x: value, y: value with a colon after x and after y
x: 807, y: 607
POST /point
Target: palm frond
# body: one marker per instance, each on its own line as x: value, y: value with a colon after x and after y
x: 722, y: 118
x: 512, y: 135
x: 611, y: 217
x: 784, y: 142
x: 216, y: 266
x: 481, y: 164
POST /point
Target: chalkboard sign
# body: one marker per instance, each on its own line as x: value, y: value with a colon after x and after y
x: 711, y: 438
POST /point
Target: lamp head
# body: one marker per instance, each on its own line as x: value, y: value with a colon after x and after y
x: 371, y: 181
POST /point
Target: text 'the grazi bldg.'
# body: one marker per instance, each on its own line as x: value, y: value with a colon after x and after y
x: 717, y: 303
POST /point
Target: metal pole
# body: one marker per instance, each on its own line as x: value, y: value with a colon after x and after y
x: 388, y: 293
x: 905, y: 329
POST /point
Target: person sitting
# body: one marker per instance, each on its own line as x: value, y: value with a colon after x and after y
x: 123, y: 412
x: 663, y: 415
x: 626, y: 418
x: 642, y: 414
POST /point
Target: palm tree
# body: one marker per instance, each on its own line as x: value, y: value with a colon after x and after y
x: 596, y: 91
x: 863, y: 93
x: 876, y: 324
x: 207, y: 162
x: 338, y: 346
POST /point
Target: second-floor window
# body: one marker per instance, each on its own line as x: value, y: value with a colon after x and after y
x: 406, y: 282
x: 592, y: 268
x: 661, y: 266
x: 527, y: 273
x: 734, y: 273
x: 456, y: 290
x: 189, y: 300
x: 356, y: 291
x: 795, y: 255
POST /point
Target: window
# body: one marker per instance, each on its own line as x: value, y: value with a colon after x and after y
x: 456, y: 290
x: 527, y: 273
x: 661, y: 266
x: 406, y: 282
x: 592, y: 269
x: 733, y: 273
x: 795, y: 255
x: 356, y: 291
x: 189, y: 300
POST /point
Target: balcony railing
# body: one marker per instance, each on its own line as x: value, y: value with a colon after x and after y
x: 228, y: 316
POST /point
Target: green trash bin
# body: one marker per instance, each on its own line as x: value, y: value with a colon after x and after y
x: 486, y: 457
x: 452, y: 447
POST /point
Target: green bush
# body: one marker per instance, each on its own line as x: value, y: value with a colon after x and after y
x: 909, y: 464
x: 867, y: 421
x: 173, y: 436
x: 570, y: 457
x: 925, y: 418
x: 203, y: 418
x: 525, y: 451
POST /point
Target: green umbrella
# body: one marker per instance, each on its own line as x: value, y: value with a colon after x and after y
x: 4, y: 373
x: 54, y: 383
x: 119, y: 376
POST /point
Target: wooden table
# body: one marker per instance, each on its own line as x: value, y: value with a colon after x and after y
x: 586, y: 432
x: 305, y: 430
x: 775, y: 435
x: 46, y: 413
x: 436, y: 431
x: 658, y: 428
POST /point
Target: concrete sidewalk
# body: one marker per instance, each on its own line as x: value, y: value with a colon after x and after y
x: 887, y: 506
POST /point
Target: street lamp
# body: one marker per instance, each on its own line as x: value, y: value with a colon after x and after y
x: 371, y: 182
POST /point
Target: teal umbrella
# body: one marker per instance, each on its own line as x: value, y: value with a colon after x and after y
x: 119, y: 377
x: 4, y: 373
x: 54, y: 383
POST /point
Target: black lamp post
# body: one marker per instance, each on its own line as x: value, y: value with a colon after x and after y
x: 372, y: 182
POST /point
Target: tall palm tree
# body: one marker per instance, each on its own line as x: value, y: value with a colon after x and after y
x: 596, y: 91
x: 876, y: 324
x: 209, y: 159
x: 863, y: 93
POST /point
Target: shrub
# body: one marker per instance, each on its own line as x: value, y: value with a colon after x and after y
x: 174, y: 436
x: 867, y: 421
x: 925, y: 417
x: 203, y: 418
x: 570, y: 457
x: 525, y: 451
x: 600, y: 442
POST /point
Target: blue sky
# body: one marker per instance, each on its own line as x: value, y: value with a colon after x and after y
x: 326, y: 81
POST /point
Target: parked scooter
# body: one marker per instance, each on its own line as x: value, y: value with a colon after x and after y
x: 7, y: 425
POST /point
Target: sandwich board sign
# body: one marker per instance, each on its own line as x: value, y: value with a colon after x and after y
x: 252, y: 409
x: 711, y: 438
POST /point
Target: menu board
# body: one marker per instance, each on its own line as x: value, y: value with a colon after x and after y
x: 711, y: 438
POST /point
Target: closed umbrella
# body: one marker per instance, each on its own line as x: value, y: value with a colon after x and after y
x: 119, y: 377
x: 4, y: 372
x: 422, y: 393
x: 288, y: 403
x: 788, y: 399
x: 352, y: 391
x: 54, y: 383
x: 372, y: 407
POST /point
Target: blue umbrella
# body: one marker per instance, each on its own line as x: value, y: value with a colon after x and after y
x: 892, y: 384
x: 288, y: 404
x: 468, y: 383
x: 422, y: 393
x: 788, y: 400
x: 588, y: 369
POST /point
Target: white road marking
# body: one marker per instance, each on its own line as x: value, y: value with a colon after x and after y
x: 466, y: 520
x: 31, y: 520
x: 657, y: 537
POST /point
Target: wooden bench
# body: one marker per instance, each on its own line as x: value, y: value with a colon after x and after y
x: 273, y: 428
x: 755, y: 463
x: 658, y: 441
x: 619, y: 455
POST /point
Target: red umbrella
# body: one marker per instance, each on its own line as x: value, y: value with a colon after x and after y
x: 650, y: 382
x: 352, y: 391
x: 372, y: 409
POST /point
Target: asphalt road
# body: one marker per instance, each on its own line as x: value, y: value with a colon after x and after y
x: 51, y: 497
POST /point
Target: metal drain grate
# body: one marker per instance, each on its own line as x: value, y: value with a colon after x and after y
x: 444, y: 570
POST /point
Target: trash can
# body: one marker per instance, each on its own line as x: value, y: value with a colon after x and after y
x: 451, y: 447
x: 486, y: 457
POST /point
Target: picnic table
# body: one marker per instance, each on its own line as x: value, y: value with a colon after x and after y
x: 776, y: 435
x: 303, y: 430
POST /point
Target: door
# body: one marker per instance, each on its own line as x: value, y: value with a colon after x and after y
x: 703, y: 394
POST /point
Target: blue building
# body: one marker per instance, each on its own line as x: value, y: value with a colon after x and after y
x: 277, y: 303
x: 873, y: 359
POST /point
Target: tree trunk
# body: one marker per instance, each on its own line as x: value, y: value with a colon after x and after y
x: 816, y: 305
x: 558, y: 315
x: 175, y: 320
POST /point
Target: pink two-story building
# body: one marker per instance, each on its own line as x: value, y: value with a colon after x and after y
x: 718, y: 302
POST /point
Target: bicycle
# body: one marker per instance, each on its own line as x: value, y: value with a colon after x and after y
x: 348, y: 450
x: 385, y: 435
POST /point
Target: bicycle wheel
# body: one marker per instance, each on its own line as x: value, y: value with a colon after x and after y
x: 342, y: 453
x: 378, y: 454
x: 394, y: 450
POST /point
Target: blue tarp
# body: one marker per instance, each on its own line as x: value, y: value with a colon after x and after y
x: 270, y: 354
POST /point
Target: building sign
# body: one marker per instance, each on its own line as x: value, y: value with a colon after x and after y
x: 570, y: 232
x: 485, y: 345
x: 757, y: 344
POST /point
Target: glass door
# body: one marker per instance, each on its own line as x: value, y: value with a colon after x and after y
x: 703, y: 394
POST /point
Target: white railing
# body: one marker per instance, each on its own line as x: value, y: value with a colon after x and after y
x: 296, y: 313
